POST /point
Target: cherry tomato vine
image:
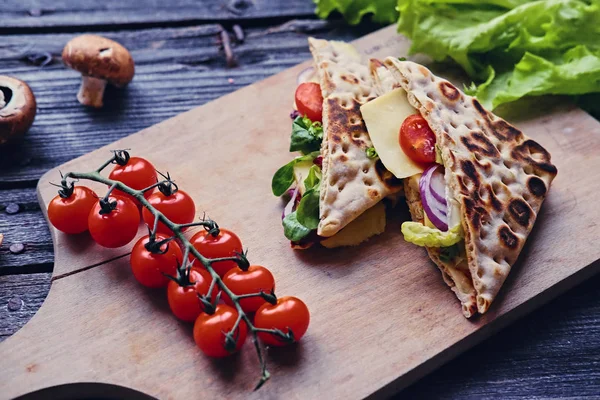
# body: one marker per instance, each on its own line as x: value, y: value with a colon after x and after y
x: 115, y: 210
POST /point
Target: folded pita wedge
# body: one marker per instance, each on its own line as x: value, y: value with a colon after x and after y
x: 496, y: 180
x: 455, y: 270
x: 352, y: 182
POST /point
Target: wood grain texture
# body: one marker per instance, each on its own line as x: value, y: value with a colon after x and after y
x: 177, y: 69
x: 28, y: 227
x: 422, y: 330
x: 520, y: 361
x: 21, y: 296
x: 554, y: 352
x: 16, y: 14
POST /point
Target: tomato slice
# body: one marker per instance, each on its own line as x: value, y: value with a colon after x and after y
x: 417, y: 139
x: 309, y: 101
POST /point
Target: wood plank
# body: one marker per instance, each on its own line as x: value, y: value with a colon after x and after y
x: 532, y: 356
x: 423, y: 329
x: 20, y: 298
x: 89, y: 13
x: 27, y: 227
x: 552, y: 353
x: 177, y: 70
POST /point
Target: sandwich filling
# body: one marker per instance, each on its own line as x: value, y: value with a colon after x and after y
x: 481, y: 186
x: 336, y: 185
x: 407, y: 147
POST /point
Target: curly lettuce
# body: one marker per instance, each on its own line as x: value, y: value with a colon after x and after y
x: 421, y: 235
x: 575, y: 72
x: 382, y: 11
x: 513, y: 48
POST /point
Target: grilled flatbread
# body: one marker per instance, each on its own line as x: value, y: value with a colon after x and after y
x: 455, y: 272
x: 498, y: 176
x: 352, y: 182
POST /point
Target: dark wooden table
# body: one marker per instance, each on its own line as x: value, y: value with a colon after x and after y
x: 180, y: 64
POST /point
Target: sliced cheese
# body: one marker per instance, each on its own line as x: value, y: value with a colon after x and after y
x: 384, y: 117
x: 301, y: 171
x: 368, y: 224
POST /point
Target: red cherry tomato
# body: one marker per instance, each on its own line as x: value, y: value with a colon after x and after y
x: 70, y: 215
x: 116, y: 228
x: 178, y: 207
x: 138, y: 174
x: 309, y: 101
x: 254, y: 280
x: 225, y: 244
x: 149, y: 268
x: 210, y: 330
x: 417, y: 139
x: 288, y: 313
x: 183, y: 296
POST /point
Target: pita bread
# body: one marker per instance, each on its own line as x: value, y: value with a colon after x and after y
x: 455, y: 272
x: 498, y: 175
x: 382, y: 77
x: 352, y: 182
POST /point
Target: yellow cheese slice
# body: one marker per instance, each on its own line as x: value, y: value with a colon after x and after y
x: 368, y: 224
x: 384, y: 117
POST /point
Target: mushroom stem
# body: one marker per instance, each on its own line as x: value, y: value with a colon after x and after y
x: 91, y: 91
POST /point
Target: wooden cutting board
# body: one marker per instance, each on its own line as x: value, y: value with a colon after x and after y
x: 381, y: 315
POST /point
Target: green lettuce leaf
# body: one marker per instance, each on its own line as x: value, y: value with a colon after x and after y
x: 314, y: 178
x: 475, y: 34
x: 306, y: 135
x: 308, y: 208
x: 448, y: 254
x: 517, y: 47
x: 382, y: 11
x: 577, y: 71
x: 294, y: 230
x: 301, y: 222
x: 284, y: 176
x: 512, y: 48
x: 421, y: 235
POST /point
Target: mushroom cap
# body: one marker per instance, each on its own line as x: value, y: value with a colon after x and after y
x: 18, y: 112
x: 99, y: 57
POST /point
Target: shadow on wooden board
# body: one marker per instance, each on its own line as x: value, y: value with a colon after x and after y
x: 87, y: 391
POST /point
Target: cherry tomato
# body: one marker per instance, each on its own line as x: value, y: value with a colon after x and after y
x: 288, y: 313
x: 255, y: 279
x: 149, y: 268
x: 70, y: 215
x: 309, y: 101
x: 183, y: 295
x: 225, y: 244
x: 209, y: 331
x: 178, y: 207
x: 116, y: 228
x: 417, y: 139
x: 138, y: 174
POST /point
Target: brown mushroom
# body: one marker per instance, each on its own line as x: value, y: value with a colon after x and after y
x: 100, y: 60
x: 17, y: 108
